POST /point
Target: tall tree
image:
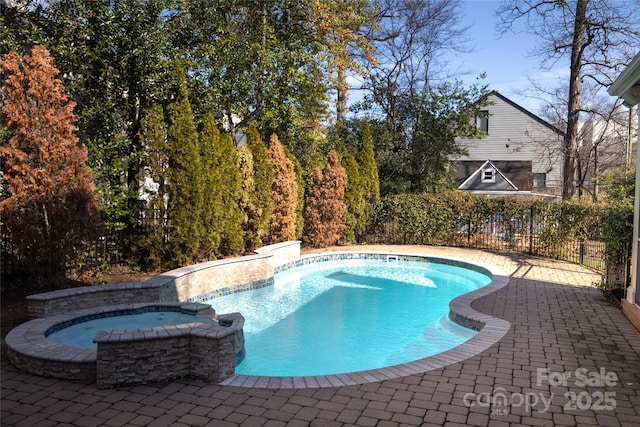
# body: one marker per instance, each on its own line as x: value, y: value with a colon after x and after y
x: 449, y: 112
x: 173, y: 182
x: 247, y: 203
x: 409, y: 42
x: 221, y: 191
x: 185, y: 183
x: 362, y: 192
x: 271, y: 62
x: 257, y: 187
x: 50, y: 206
x: 604, y: 139
x: 154, y: 176
x: 598, y: 37
x: 413, y: 154
x: 325, y: 205
x: 369, y: 171
x: 301, y: 185
x: 406, y: 92
x: 284, y: 194
x: 21, y: 26
x: 603, y: 135
x: 353, y: 199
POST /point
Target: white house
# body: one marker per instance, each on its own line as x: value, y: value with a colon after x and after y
x: 521, y: 153
x: 627, y: 86
x: 603, y: 147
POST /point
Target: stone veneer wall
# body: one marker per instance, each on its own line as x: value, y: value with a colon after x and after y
x: 53, y: 361
x: 194, y: 283
x: 282, y: 253
x: 196, y: 350
x: 64, y: 300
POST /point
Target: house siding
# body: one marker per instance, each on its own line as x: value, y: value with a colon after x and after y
x: 517, y: 135
x: 625, y: 87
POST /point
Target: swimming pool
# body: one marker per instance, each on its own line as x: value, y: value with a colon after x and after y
x: 29, y: 349
x: 350, y: 315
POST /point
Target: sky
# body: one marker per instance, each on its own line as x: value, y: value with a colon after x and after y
x: 506, y: 58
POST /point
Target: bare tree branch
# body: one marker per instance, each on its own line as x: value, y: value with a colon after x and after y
x: 598, y: 36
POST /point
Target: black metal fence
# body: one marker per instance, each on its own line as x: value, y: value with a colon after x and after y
x: 527, y: 232
x: 494, y: 232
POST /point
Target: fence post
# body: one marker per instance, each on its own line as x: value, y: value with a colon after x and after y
x: 581, y: 261
x: 531, y: 226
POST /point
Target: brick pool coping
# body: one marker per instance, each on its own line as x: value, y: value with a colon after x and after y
x: 490, y: 331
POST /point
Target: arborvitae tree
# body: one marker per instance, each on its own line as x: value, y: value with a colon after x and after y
x: 325, y: 206
x: 185, y: 188
x: 154, y: 178
x: 353, y: 198
x: 258, y: 210
x: 232, y: 241
x: 211, y: 197
x: 50, y: 206
x: 245, y: 166
x: 284, y: 194
x: 370, y: 180
x: 222, y: 189
x: 300, y: 183
x: 367, y: 164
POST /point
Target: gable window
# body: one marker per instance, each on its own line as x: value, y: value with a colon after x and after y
x: 539, y: 180
x: 482, y: 122
x: 488, y: 175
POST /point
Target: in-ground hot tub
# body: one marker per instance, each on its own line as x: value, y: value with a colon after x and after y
x: 207, y: 348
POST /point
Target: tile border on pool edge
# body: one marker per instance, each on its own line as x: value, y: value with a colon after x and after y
x: 490, y: 331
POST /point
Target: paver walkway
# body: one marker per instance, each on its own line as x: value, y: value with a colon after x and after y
x: 570, y: 359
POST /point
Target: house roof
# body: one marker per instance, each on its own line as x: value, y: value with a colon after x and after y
x: 518, y: 174
x: 528, y: 113
x: 627, y: 85
x: 474, y: 181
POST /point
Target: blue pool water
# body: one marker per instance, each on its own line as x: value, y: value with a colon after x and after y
x: 81, y: 334
x: 350, y: 315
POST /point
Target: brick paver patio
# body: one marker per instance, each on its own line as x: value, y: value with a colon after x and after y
x: 570, y: 359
